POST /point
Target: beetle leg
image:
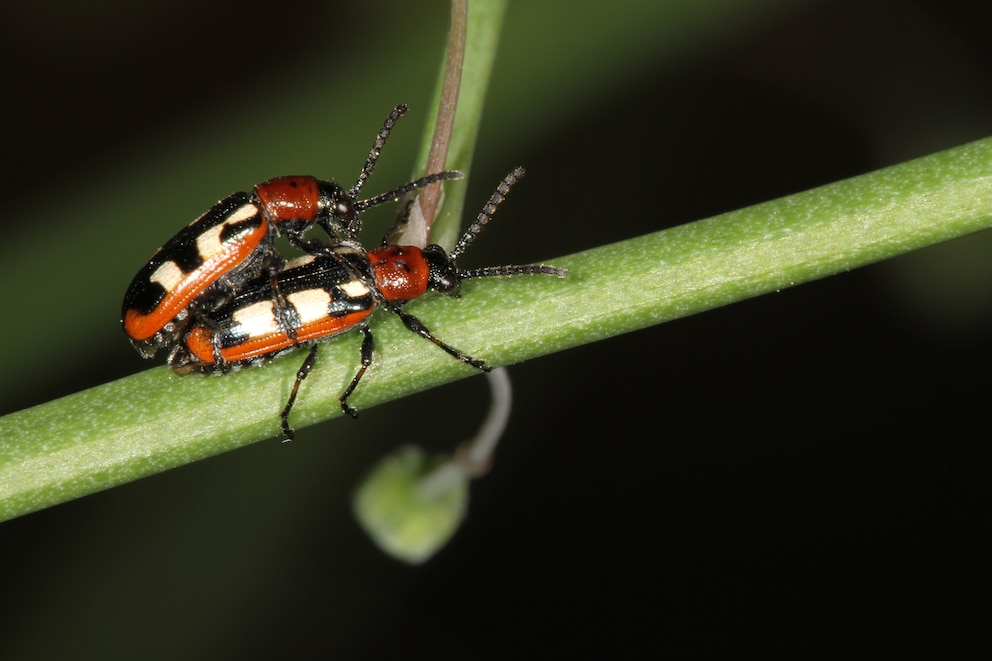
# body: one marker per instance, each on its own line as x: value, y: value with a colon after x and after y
x: 301, y: 374
x: 418, y: 327
x: 285, y: 316
x: 368, y: 353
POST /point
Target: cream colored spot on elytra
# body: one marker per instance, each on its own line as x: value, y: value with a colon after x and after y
x: 297, y: 262
x: 354, y: 288
x: 257, y: 319
x: 244, y: 212
x: 209, y: 243
x: 310, y: 304
x: 169, y: 275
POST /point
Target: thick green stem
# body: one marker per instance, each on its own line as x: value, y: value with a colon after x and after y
x: 156, y: 420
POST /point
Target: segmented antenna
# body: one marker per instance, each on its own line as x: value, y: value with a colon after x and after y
x: 481, y: 221
x: 355, y: 226
x: 487, y: 211
x: 380, y: 142
x: 389, y: 196
x: 502, y: 271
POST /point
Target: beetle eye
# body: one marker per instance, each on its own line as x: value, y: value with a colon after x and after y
x: 446, y: 285
x: 344, y: 209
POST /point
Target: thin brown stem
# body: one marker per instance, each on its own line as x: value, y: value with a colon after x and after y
x: 430, y: 197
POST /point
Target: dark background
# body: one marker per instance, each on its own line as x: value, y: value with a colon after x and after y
x: 804, y: 471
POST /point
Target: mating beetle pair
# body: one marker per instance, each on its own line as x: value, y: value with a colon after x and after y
x: 218, y: 296
x: 234, y: 241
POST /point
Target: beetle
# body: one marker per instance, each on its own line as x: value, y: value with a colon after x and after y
x: 234, y: 241
x: 332, y: 292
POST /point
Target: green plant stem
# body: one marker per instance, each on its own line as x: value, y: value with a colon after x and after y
x: 155, y: 420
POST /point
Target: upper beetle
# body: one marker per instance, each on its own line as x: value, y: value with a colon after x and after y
x: 235, y: 241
